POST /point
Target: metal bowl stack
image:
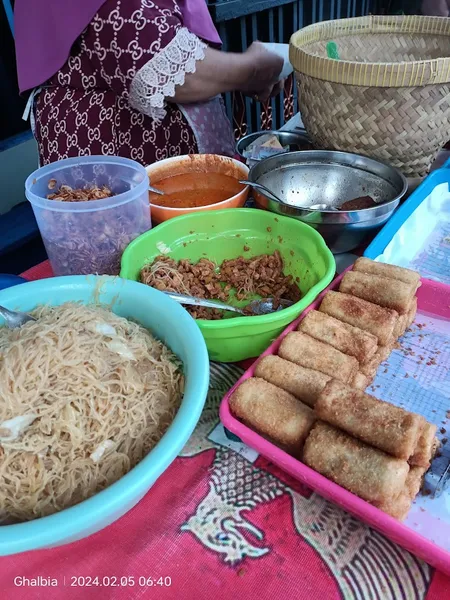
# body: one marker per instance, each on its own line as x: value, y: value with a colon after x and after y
x: 307, y: 180
x: 294, y: 140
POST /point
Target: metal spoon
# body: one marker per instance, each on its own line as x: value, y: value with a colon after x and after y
x: 269, y: 193
x: 14, y: 319
x: 257, y: 307
x: 155, y: 190
x: 264, y: 190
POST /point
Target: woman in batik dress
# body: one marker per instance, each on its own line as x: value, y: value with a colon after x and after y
x: 132, y: 78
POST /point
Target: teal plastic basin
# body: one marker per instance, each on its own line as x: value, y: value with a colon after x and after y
x: 168, y: 321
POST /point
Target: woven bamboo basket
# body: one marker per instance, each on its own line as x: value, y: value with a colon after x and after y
x: 388, y: 94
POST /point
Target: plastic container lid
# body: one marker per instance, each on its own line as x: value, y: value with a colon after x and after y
x: 105, y: 171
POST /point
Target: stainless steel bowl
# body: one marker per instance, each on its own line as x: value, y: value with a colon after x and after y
x: 296, y: 140
x: 304, y: 179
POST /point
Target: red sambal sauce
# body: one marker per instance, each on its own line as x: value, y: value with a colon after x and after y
x: 193, y: 190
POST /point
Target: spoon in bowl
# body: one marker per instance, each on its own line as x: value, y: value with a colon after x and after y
x: 257, y: 307
x: 155, y: 190
x: 272, y: 196
x: 264, y: 190
x: 14, y: 319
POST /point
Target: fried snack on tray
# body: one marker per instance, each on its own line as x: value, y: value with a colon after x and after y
x: 406, y: 320
x: 361, y: 381
x: 369, y: 369
x: 374, y: 449
x: 372, y: 267
x: 414, y: 481
x: 396, y: 507
x: 260, y: 275
x: 380, y: 424
x: 378, y: 321
x: 426, y: 447
x: 367, y: 472
x: 383, y: 291
x: 400, y: 507
x: 342, y: 336
x: 304, y: 384
x: 411, y: 314
x: 307, y: 352
x: 274, y: 413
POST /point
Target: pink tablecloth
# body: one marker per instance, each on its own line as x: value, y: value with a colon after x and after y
x: 222, y: 524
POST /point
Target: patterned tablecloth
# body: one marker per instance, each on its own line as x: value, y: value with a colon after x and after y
x: 222, y: 523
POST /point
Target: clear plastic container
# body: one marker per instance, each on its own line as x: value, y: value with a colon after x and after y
x: 90, y: 236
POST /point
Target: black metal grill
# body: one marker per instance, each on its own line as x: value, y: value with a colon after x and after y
x: 240, y: 22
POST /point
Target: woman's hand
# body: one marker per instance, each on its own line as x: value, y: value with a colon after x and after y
x: 254, y: 72
x: 265, y: 95
x: 264, y: 70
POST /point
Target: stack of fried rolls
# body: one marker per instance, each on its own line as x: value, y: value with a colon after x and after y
x: 310, y: 400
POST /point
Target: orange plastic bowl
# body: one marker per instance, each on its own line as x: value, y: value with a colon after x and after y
x: 200, y: 163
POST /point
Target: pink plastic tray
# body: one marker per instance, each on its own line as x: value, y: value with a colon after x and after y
x: 433, y: 300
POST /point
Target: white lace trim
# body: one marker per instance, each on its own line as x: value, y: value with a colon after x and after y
x: 156, y: 80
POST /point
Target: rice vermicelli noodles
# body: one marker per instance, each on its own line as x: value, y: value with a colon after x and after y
x: 84, y: 396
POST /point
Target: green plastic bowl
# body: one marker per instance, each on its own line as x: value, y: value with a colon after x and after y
x: 226, y: 234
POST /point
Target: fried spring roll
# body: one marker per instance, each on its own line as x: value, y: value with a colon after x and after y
x: 400, y: 328
x: 304, y: 384
x: 411, y: 313
x: 380, y: 424
x: 378, y: 321
x: 365, y: 265
x: 414, y: 481
x: 369, y: 369
x: 435, y: 448
x: 365, y: 471
x: 398, y: 507
x: 342, y: 336
x: 307, y: 352
x: 382, y: 291
x: 406, y: 320
x: 273, y: 413
x: 361, y: 381
x: 426, y: 447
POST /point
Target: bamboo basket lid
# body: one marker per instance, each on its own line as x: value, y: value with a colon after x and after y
x: 376, y: 51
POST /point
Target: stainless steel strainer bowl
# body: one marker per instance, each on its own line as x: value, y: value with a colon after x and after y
x: 317, y: 177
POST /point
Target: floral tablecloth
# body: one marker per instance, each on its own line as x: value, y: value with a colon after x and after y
x: 223, y: 523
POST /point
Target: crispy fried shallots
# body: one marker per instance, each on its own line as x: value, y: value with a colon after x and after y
x: 248, y: 277
x: 68, y: 194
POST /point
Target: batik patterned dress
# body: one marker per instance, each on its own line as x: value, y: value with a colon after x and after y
x: 111, y: 95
